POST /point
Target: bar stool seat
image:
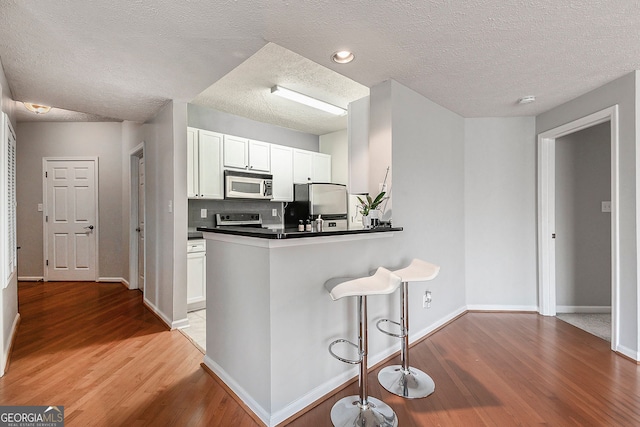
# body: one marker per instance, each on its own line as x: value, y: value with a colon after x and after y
x: 404, y: 380
x: 362, y: 410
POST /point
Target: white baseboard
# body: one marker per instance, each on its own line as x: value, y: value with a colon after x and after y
x: 7, y: 351
x: 239, y: 391
x: 630, y: 353
x: 180, y: 324
x: 492, y: 307
x: 30, y: 278
x: 111, y: 279
x: 323, y: 389
x: 158, y: 313
x: 583, y: 309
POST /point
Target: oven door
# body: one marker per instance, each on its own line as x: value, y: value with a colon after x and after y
x: 247, y: 186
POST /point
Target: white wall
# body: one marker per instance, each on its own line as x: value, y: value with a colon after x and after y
x: 623, y: 92
x: 218, y: 121
x: 36, y: 140
x: 583, y: 231
x: 424, y: 144
x: 165, y: 139
x: 500, y: 213
x: 9, y: 295
x: 336, y: 144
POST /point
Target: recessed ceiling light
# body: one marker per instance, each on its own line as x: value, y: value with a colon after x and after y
x: 37, y: 108
x: 342, y: 57
x: 527, y: 99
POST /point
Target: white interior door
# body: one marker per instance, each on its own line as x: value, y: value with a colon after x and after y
x: 140, y: 228
x: 70, y: 220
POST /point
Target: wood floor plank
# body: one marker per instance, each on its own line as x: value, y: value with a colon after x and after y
x: 95, y: 349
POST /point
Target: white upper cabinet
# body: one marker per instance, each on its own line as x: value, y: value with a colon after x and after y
x: 309, y: 166
x: 204, y: 164
x: 320, y: 167
x: 302, y: 164
x: 236, y: 152
x: 210, y: 165
x: 259, y: 156
x: 192, y: 163
x: 282, y: 171
x: 243, y: 153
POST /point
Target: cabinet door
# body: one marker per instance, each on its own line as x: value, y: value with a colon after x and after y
x: 196, y: 277
x: 282, y: 171
x: 301, y: 166
x: 192, y: 163
x: 210, y: 165
x: 259, y: 156
x: 235, y: 152
x: 321, y: 167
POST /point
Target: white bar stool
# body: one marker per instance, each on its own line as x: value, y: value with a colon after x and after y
x: 404, y: 380
x: 362, y: 410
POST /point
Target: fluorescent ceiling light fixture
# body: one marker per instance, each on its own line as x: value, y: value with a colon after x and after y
x: 37, y: 108
x: 307, y: 100
x: 343, y: 57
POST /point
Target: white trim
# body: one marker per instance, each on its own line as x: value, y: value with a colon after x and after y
x: 134, y: 155
x: 238, y: 390
x: 323, y: 389
x: 546, y: 214
x: 157, y: 311
x: 111, y: 279
x: 180, y: 324
x: 583, y: 309
x: 630, y: 353
x: 9, y: 342
x: 30, y: 279
x: 96, y: 229
x: 498, y: 307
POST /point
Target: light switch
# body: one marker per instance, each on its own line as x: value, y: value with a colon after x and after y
x: 203, y: 213
x: 606, y: 206
x: 39, y: 207
x: 170, y: 207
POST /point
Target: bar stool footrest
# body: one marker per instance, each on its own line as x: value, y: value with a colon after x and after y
x: 400, y: 335
x: 342, y: 359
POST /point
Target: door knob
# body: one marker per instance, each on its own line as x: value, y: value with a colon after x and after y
x: 138, y: 229
x: 90, y: 227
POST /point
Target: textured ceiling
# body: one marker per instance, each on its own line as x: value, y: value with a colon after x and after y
x: 246, y: 91
x: 125, y: 59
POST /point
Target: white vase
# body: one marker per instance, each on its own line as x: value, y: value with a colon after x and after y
x: 366, y: 221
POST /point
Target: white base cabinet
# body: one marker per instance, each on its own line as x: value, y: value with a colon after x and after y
x: 196, y: 275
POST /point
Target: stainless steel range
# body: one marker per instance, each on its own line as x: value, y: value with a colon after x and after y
x: 238, y: 219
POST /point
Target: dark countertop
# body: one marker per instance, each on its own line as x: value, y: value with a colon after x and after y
x: 191, y: 235
x: 290, y: 233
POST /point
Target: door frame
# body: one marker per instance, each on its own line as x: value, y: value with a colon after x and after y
x: 547, y: 210
x: 45, y: 224
x: 134, y: 156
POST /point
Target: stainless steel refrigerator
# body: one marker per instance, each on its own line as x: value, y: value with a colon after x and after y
x: 311, y: 200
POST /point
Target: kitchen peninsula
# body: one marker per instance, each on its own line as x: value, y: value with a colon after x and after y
x: 270, y: 319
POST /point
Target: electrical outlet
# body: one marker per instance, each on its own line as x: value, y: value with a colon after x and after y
x: 203, y: 213
x: 274, y: 212
x: 426, y: 299
x: 605, y: 206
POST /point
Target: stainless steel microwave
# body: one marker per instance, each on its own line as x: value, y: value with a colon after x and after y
x: 245, y: 185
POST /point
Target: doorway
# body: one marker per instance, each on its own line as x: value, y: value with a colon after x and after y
x: 70, y: 187
x: 137, y: 246
x: 547, y: 213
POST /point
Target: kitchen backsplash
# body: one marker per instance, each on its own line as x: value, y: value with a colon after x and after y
x: 213, y: 207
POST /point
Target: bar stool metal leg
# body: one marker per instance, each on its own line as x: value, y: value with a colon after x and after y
x: 404, y: 380
x: 362, y: 410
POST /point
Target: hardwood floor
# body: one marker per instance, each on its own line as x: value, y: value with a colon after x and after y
x: 95, y: 349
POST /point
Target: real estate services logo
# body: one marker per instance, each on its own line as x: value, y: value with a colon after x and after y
x: 31, y: 416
